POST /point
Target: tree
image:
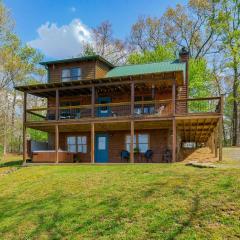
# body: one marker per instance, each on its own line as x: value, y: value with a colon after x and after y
x: 18, y: 65
x: 161, y: 53
x: 227, y: 24
x: 189, y: 26
x: 185, y: 26
x: 146, y: 34
x: 200, y: 79
x: 104, y: 44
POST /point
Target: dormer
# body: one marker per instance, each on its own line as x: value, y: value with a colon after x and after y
x: 75, y: 69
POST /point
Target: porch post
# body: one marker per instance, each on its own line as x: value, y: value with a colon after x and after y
x: 92, y: 143
x: 174, y: 97
x: 24, y: 128
x: 221, y: 129
x: 174, y: 140
x: 93, y: 101
x: 132, y: 143
x: 174, y: 131
x: 132, y: 98
x: 57, y: 105
x: 24, y: 144
x: 56, y: 142
x: 215, y: 143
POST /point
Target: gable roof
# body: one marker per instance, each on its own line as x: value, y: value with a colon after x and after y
x: 79, y: 59
x: 148, y: 68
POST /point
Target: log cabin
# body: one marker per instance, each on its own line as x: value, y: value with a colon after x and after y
x: 100, y: 113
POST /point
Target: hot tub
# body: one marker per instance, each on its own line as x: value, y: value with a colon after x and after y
x: 49, y: 156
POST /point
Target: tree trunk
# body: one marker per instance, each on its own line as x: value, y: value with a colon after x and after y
x: 235, y: 120
x: 13, y: 119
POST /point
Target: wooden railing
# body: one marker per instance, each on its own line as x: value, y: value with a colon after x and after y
x: 141, y: 109
x: 193, y: 106
x: 157, y: 108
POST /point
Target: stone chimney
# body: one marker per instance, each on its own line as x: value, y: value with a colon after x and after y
x: 184, y: 55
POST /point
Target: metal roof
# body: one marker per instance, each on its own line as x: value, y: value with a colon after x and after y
x: 79, y: 59
x: 158, y: 67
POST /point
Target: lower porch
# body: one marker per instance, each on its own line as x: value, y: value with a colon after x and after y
x: 124, y: 142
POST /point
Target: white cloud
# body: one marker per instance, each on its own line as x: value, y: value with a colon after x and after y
x: 73, y: 9
x: 63, y: 41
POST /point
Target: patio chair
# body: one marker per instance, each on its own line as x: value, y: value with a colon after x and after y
x: 148, y: 155
x: 125, y: 155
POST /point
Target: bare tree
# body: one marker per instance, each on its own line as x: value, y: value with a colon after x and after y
x: 190, y: 26
x: 104, y: 44
x: 146, y: 34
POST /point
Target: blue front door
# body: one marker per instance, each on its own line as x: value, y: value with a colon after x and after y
x: 101, y: 148
x: 104, y: 111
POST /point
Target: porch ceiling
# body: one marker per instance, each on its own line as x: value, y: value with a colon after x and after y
x: 161, y: 81
x: 105, y: 126
x: 196, y: 129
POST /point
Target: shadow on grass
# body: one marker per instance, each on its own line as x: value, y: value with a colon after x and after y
x: 187, y: 223
x: 16, y: 163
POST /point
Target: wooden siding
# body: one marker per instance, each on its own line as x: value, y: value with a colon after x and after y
x: 90, y: 70
x: 55, y: 70
x: 101, y: 69
x: 159, y: 142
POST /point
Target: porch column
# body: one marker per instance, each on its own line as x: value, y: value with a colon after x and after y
x: 24, y: 128
x: 174, y: 97
x: 220, y: 134
x: 174, y: 140
x: 93, y: 101
x: 132, y: 143
x: 57, y: 105
x: 24, y: 144
x: 132, y: 98
x: 215, y: 143
x: 56, y: 142
x: 92, y: 143
x: 174, y: 131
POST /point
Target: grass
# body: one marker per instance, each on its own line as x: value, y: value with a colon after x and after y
x: 162, y: 201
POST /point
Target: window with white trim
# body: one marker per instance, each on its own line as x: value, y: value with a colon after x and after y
x: 77, y: 144
x: 141, y: 142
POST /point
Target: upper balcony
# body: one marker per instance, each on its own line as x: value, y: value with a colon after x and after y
x: 160, y: 109
x: 146, y: 96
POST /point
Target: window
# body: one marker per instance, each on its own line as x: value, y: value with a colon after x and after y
x: 71, y: 143
x: 82, y: 144
x: 77, y: 144
x: 101, y: 143
x: 189, y: 145
x: 66, y: 75
x: 71, y: 74
x: 128, y: 142
x: 141, y: 141
x: 76, y: 74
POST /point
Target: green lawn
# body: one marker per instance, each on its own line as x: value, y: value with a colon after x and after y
x: 162, y: 201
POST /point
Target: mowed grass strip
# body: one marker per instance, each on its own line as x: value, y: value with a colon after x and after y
x: 162, y: 201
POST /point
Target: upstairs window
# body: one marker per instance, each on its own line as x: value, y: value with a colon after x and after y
x: 66, y: 75
x: 71, y: 74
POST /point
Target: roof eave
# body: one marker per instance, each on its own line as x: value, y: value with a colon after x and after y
x: 86, y: 58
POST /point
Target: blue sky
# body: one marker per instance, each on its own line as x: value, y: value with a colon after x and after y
x: 32, y: 15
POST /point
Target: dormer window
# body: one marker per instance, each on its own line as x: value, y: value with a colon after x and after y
x: 71, y: 74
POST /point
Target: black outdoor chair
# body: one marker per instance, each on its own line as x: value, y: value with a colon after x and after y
x: 148, y: 155
x: 167, y: 156
x: 125, y: 155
